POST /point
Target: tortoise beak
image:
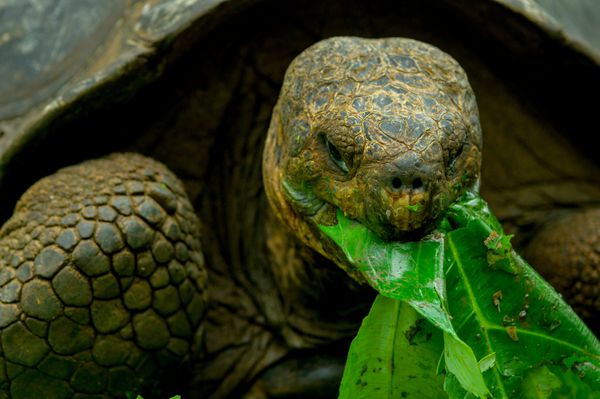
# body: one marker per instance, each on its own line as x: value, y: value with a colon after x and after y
x: 398, y: 200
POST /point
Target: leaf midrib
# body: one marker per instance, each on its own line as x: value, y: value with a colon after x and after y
x: 492, y: 326
x: 477, y: 311
x: 496, y: 327
x: 488, y: 325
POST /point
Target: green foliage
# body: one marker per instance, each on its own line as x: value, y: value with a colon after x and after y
x: 411, y: 272
x: 406, y: 348
x: 529, y: 343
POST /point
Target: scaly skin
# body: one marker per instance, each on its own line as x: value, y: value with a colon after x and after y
x: 387, y: 130
x: 102, y: 281
x: 565, y: 251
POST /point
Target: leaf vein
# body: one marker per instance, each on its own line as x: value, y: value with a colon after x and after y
x: 485, y: 324
x: 495, y: 327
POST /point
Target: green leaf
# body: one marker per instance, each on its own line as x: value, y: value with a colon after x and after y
x: 462, y: 364
x: 413, y: 208
x: 411, y: 272
x: 487, y: 362
x: 529, y: 342
x: 407, y: 271
x: 530, y: 329
x: 401, y: 363
x: 540, y: 383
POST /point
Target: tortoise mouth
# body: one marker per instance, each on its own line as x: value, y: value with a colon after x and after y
x: 396, y: 216
x: 306, y: 203
x: 399, y: 223
x: 389, y: 232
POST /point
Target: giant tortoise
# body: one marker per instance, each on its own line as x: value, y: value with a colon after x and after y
x: 116, y: 270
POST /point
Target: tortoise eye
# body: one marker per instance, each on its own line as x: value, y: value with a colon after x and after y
x: 457, y: 153
x: 336, y: 156
x: 334, y: 152
x: 454, y: 155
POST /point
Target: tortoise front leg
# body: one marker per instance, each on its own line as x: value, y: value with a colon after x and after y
x: 102, y: 282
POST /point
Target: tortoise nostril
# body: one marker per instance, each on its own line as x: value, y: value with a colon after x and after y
x: 406, y: 184
x: 396, y: 183
x: 417, y: 183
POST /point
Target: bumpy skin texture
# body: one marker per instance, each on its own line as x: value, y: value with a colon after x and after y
x: 565, y: 251
x: 102, y: 281
x: 387, y: 130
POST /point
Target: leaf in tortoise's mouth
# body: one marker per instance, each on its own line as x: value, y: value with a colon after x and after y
x: 412, y: 272
x: 519, y: 352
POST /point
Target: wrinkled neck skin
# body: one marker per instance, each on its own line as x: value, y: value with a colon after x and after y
x: 301, y: 211
x: 385, y: 130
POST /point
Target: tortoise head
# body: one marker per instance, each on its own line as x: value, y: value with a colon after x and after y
x: 387, y: 130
